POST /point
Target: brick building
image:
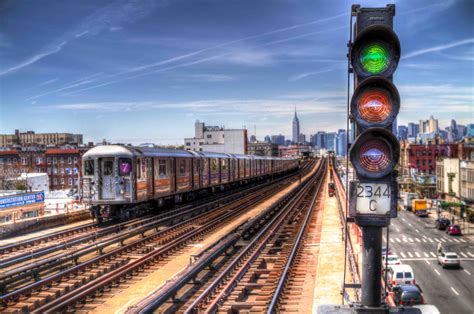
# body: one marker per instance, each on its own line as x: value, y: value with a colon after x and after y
x: 421, y: 158
x: 63, y: 165
x: 46, y: 139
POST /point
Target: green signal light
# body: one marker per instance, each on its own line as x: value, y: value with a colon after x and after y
x: 375, y: 58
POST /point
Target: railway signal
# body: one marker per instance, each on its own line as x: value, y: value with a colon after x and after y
x: 374, y: 55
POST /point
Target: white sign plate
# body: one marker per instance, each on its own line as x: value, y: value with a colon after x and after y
x: 373, y: 198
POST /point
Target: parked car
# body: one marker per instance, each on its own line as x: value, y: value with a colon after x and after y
x: 449, y: 259
x: 407, y: 295
x: 400, y: 275
x: 331, y: 189
x: 427, y: 308
x: 384, y: 251
x: 442, y: 223
x: 392, y: 259
x: 453, y: 230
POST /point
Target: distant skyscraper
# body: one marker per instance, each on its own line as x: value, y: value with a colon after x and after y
x: 321, y: 139
x: 470, y: 130
x: 331, y: 141
x: 461, y: 131
x: 341, y: 143
x: 268, y: 139
x: 278, y: 139
x: 296, y: 128
x: 402, y: 133
x: 302, y: 138
x: 253, y: 138
x: 413, y: 129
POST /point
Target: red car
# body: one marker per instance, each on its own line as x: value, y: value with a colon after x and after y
x: 453, y: 230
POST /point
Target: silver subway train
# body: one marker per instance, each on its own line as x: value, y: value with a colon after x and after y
x: 121, y: 181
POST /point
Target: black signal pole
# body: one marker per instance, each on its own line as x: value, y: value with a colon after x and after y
x: 371, y: 266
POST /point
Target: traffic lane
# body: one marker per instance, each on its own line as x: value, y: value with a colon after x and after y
x: 442, y: 287
x: 456, y: 284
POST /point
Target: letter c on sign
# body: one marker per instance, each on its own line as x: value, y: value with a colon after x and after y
x: 373, y: 205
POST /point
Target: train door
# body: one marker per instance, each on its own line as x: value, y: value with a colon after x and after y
x: 149, y: 178
x: 108, y: 178
x: 196, y: 172
x: 206, y: 172
x: 172, y: 166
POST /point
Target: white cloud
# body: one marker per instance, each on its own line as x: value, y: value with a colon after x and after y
x: 306, y: 74
x: 438, y: 48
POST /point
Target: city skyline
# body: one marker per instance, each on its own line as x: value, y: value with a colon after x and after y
x: 162, y: 65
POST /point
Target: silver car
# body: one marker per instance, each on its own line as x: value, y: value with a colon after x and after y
x: 448, y: 259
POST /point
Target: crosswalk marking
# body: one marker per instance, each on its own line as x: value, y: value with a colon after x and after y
x: 437, y: 240
x: 470, y: 254
x: 384, y: 239
x: 410, y: 239
x: 398, y: 240
x: 433, y: 254
x: 431, y: 240
x: 392, y: 240
x: 417, y: 240
x: 463, y: 254
x: 456, y: 240
x: 443, y: 240
x: 424, y: 240
x: 417, y: 254
x: 462, y: 240
x: 426, y: 254
x: 409, y: 254
x: 403, y: 255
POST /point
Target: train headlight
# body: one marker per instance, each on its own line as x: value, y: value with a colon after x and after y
x: 122, y: 191
x: 92, y: 192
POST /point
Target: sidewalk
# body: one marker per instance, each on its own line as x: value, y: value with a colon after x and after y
x: 330, y: 270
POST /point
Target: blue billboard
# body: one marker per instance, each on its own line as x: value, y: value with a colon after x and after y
x: 20, y: 200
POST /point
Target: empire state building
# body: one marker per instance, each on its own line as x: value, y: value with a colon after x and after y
x: 296, y: 128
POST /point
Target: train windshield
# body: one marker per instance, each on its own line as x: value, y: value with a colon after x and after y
x: 89, y: 167
x: 125, y: 166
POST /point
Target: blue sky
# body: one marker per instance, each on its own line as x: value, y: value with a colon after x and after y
x: 144, y: 71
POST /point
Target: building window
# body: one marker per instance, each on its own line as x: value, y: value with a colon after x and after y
x: 70, y: 181
x: 24, y: 161
x: 209, y: 136
x: 69, y: 160
x: 55, y: 181
x: 423, y: 152
x: 55, y: 170
x: 75, y: 160
x: 1, y: 161
x: 49, y: 171
x: 62, y: 181
x: 55, y: 160
x: 9, y: 161
x: 62, y: 170
x: 61, y: 160
x: 48, y: 160
x: 417, y: 153
x: 188, y: 144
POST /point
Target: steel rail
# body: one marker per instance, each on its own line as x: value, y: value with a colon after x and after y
x: 296, y: 246
x: 267, y: 230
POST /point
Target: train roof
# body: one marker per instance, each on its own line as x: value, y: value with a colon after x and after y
x: 109, y: 150
x: 162, y: 152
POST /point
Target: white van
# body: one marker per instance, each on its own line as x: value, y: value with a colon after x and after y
x: 400, y: 274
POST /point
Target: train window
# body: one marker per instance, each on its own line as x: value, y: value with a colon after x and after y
x: 89, y: 167
x: 108, y: 167
x: 125, y: 166
x: 213, y: 164
x: 182, y: 166
x: 162, y: 167
x: 139, y: 175
x: 224, y: 164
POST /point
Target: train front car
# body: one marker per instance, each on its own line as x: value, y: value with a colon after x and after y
x: 108, y: 181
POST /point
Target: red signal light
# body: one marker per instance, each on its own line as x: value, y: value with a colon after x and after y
x: 375, y: 103
x: 374, y: 106
x: 374, y: 155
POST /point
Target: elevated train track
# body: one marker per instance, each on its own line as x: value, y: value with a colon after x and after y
x: 118, y: 256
